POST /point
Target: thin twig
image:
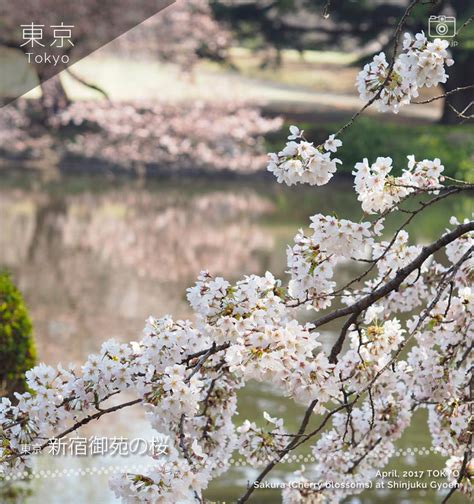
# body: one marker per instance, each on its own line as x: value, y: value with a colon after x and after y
x: 439, y: 97
x: 396, y: 38
x: 77, y: 425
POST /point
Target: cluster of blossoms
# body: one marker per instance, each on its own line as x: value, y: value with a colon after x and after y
x: 361, y: 440
x: 424, y: 61
x: 379, y: 191
x: 303, y: 162
x: 259, y: 445
x: 342, y: 237
x: 454, y: 252
x: 376, y: 342
x: 169, y: 480
x: 178, y: 402
x: 396, y: 92
x: 421, y: 64
x: 312, y: 259
x: 226, y: 312
x: 383, y: 418
x: 311, y: 271
x: 442, y: 359
x: 268, y: 344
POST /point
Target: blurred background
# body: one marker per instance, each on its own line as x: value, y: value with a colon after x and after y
x: 144, y: 162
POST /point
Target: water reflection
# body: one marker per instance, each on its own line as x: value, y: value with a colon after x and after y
x: 95, y: 265
x: 94, y: 258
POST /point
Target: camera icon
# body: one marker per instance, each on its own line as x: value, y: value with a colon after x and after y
x: 442, y: 26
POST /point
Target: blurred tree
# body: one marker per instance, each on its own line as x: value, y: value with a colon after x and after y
x: 17, y: 349
x: 319, y: 24
x: 183, y: 32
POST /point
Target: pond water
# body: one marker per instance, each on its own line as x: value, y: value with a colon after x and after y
x: 95, y: 257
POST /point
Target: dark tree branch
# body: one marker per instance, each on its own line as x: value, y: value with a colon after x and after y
x: 393, y: 284
x: 290, y: 446
x: 90, y: 85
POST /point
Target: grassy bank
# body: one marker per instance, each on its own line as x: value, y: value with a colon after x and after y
x: 368, y: 137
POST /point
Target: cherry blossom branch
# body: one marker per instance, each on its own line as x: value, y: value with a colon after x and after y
x: 393, y: 284
x: 272, y: 464
x: 423, y: 205
x: 396, y: 39
x: 290, y: 446
x: 185, y: 450
x: 462, y: 114
x: 212, y: 350
x: 77, y: 425
x: 446, y: 192
x: 444, y: 282
x: 205, y: 354
x: 444, y: 95
x: 302, y: 438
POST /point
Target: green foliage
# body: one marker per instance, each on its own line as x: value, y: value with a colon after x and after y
x: 14, y: 492
x: 454, y: 145
x: 17, y: 349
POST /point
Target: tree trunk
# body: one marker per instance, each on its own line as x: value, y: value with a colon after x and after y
x: 53, y: 97
x: 460, y: 74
